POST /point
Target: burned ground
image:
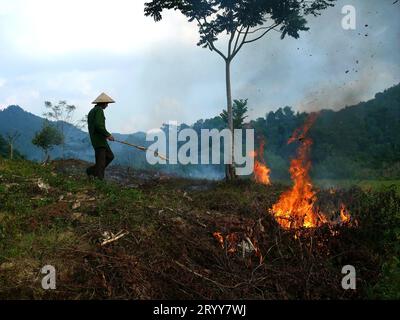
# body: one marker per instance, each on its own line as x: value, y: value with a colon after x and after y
x: 169, y: 248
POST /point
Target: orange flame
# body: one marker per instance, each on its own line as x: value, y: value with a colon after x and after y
x: 232, y: 243
x: 220, y: 238
x: 261, y: 171
x: 344, y: 214
x: 257, y: 250
x: 296, y: 207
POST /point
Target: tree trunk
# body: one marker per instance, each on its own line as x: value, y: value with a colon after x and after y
x: 11, y: 151
x: 229, y: 169
x: 46, y: 157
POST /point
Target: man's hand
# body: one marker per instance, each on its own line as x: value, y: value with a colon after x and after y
x: 110, y: 138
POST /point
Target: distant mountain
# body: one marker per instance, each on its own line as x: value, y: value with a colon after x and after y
x: 14, y: 118
x: 78, y: 146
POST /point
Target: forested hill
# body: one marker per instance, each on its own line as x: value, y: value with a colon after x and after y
x: 364, y: 138
x: 361, y: 141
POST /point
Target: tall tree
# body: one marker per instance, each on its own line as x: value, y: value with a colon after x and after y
x: 244, y: 22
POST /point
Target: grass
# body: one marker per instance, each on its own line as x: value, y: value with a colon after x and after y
x: 60, y: 219
x: 376, y: 185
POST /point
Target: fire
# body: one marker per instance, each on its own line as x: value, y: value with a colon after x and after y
x: 296, y: 207
x: 261, y: 171
x: 344, y: 214
x: 256, y: 249
x: 220, y: 238
x: 233, y: 241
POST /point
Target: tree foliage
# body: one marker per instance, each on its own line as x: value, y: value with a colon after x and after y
x: 245, y: 21
x: 47, y: 138
x: 239, y: 113
x: 5, y: 149
x: 63, y: 114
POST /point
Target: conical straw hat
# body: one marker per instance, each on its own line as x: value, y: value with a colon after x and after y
x: 103, y: 98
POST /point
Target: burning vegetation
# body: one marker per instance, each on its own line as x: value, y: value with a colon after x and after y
x: 297, y: 207
x: 261, y: 171
x: 237, y: 242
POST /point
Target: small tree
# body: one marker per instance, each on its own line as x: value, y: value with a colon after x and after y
x: 47, y: 138
x: 11, y: 139
x: 239, y: 113
x: 244, y: 22
x: 63, y: 113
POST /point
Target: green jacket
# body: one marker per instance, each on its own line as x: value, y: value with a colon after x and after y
x: 97, y: 128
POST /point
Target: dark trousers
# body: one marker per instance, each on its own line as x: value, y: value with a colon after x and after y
x: 104, y: 156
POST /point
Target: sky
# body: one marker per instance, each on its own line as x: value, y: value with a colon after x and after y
x: 73, y: 50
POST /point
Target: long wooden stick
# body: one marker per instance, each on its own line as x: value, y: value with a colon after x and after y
x: 143, y: 149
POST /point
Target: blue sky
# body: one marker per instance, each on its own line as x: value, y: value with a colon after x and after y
x: 73, y: 50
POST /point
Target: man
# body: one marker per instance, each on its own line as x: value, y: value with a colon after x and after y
x: 99, y: 136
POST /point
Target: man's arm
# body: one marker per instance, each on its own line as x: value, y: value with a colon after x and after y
x: 100, y: 125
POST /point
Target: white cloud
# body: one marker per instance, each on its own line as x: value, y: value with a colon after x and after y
x: 23, y: 97
x: 77, y: 82
x: 48, y: 27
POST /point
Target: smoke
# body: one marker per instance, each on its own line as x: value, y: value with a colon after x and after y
x: 357, y: 63
x: 336, y: 96
x: 327, y: 67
